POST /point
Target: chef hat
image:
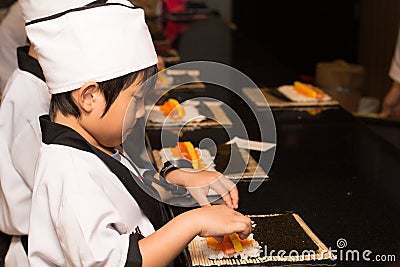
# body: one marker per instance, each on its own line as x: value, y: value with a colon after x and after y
x: 35, y: 9
x: 91, y: 43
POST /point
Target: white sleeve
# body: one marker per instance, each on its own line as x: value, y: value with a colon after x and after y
x: 87, y: 232
x: 394, y: 71
x: 25, y: 150
x: 88, y: 229
x: 15, y: 193
x: 74, y: 223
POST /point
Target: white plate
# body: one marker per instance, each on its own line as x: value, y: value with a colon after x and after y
x: 191, y: 115
x: 290, y: 93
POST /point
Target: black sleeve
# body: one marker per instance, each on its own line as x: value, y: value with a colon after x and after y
x: 134, y: 258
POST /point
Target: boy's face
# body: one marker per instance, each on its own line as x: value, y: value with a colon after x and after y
x: 112, y: 129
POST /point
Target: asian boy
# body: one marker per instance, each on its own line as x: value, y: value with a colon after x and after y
x: 88, y: 205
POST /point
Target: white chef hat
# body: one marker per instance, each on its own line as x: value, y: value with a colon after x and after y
x: 91, y: 43
x: 35, y: 9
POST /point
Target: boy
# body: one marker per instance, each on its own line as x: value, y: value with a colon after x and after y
x: 27, y: 98
x: 87, y: 207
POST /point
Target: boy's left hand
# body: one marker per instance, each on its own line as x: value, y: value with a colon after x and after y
x: 198, y: 183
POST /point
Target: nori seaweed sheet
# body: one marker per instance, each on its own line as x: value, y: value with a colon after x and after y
x: 228, y: 159
x: 281, y: 232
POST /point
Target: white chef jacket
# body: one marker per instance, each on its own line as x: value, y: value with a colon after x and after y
x: 20, y: 140
x: 82, y: 215
x: 12, y: 35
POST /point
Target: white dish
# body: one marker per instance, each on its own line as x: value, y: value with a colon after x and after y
x: 289, y: 92
x: 192, y: 114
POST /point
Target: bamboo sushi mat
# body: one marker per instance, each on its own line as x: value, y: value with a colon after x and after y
x: 322, y: 254
x: 260, y: 97
x: 252, y: 169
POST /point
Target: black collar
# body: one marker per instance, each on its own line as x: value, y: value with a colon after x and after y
x: 54, y: 133
x: 28, y: 63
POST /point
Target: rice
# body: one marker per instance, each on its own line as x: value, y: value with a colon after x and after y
x: 252, y: 251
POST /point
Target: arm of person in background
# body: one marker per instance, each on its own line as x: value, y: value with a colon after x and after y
x: 391, y: 102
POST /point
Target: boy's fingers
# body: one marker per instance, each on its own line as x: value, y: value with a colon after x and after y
x: 243, y: 236
x: 233, y: 191
x: 218, y: 187
x: 200, y: 197
x: 246, y: 230
x: 228, y: 201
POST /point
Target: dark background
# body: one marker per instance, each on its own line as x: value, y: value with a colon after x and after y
x: 295, y: 34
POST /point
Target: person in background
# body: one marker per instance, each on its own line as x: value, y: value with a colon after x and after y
x: 391, y: 102
x: 8, y: 43
x: 20, y: 138
x: 12, y: 35
x: 26, y: 97
x: 91, y: 205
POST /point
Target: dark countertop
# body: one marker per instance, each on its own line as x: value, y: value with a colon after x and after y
x: 340, y: 177
x: 329, y: 167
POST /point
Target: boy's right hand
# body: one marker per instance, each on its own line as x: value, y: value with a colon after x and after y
x: 220, y: 220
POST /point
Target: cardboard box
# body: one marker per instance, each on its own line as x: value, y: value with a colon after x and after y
x: 342, y: 81
x: 339, y: 73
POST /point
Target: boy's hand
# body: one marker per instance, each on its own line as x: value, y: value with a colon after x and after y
x: 219, y: 220
x: 198, y: 183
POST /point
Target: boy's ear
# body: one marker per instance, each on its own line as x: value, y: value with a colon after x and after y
x: 88, y: 96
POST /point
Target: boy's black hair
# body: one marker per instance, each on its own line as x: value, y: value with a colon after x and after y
x: 64, y: 103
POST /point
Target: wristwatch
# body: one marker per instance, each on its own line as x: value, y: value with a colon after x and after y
x: 174, y: 164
